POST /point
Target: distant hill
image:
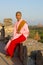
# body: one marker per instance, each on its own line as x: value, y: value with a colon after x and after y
x: 40, y: 25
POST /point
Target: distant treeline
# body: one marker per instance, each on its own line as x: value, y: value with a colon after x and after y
x: 34, y: 29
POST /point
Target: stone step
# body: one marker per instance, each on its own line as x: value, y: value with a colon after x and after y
x: 9, y: 61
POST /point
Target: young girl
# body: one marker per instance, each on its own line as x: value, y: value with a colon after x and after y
x: 21, y: 33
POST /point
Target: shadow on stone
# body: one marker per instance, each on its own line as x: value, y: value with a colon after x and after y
x: 37, y: 57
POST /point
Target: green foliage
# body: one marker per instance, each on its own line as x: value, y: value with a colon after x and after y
x: 33, y: 30
x: 41, y: 41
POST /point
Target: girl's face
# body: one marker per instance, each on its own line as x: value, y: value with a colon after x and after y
x: 18, y: 16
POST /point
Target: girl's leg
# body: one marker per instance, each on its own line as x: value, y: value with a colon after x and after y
x: 14, y: 43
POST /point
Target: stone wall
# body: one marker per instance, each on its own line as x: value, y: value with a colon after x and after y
x: 33, y: 45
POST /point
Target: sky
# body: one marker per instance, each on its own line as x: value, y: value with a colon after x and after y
x: 32, y: 10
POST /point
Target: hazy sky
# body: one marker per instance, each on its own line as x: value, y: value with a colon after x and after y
x: 32, y: 10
